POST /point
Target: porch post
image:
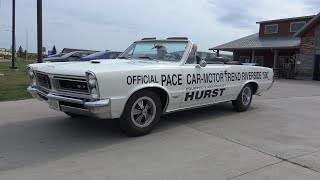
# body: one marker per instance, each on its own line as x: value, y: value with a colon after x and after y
x: 275, y: 59
x: 252, y: 56
x: 218, y: 53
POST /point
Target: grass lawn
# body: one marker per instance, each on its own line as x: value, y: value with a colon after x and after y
x: 13, y: 86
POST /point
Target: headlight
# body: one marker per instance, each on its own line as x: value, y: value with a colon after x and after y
x: 93, y: 85
x: 92, y: 80
x: 32, y: 76
x: 30, y: 72
x: 94, y: 93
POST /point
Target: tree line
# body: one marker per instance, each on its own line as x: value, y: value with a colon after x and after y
x: 22, y: 53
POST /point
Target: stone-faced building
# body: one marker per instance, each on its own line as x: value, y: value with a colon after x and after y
x: 287, y: 45
x: 308, y: 60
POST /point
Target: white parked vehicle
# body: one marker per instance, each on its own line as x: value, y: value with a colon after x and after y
x: 152, y: 77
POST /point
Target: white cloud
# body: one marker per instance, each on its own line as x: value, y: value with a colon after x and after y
x: 102, y: 24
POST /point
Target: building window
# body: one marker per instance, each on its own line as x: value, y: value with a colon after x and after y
x: 259, y: 60
x: 296, y: 26
x: 271, y: 29
x: 244, y: 59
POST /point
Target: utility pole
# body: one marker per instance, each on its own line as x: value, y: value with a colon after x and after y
x: 13, y: 66
x: 39, y: 28
x: 27, y: 43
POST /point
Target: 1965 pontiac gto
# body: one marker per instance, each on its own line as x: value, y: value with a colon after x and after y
x: 150, y: 78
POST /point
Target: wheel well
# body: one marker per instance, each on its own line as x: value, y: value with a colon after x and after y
x: 162, y: 94
x: 254, y: 86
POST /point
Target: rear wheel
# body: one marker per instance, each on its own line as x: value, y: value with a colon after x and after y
x: 141, y: 114
x: 243, y: 102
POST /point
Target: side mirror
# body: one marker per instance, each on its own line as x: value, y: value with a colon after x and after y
x: 201, y: 64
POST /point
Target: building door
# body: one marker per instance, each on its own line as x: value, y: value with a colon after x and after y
x: 317, y: 55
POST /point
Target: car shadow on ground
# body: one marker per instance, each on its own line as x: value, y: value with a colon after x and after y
x: 43, y: 140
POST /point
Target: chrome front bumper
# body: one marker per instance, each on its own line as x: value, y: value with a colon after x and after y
x: 100, y: 109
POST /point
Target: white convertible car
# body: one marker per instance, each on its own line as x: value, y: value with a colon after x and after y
x: 152, y: 77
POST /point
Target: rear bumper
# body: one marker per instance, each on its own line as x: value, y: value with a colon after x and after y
x: 100, y: 109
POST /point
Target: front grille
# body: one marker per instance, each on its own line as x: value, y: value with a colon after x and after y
x: 43, y: 81
x: 71, y: 85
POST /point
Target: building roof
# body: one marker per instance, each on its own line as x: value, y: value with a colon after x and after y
x: 67, y: 50
x: 308, y: 25
x: 287, y: 19
x: 255, y: 42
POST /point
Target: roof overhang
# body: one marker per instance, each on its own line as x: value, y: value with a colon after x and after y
x: 287, y: 19
x: 254, y: 48
x: 307, y: 26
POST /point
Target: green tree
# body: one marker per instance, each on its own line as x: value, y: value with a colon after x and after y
x: 54, y: 50
x: 20, y: 52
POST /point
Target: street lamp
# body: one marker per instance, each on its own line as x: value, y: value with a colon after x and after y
x: 13, y: 66
x: 39, y: 29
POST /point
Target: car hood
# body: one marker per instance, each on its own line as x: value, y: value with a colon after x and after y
x: 51, y: 58
x: 98, y: 66
x: 89, y: 59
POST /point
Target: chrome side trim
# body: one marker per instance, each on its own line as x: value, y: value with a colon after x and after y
x: 195, y: 107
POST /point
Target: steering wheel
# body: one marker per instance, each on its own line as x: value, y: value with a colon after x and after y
x: 173, y: 56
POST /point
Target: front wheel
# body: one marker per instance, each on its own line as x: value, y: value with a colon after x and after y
x: 242, y: 103
x: 141, y: 114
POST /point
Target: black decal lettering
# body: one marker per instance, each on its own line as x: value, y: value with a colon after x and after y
x: 210, y: 78
x: 221, y: 91
x: 129, y: 80
x: 221, y: 77
x: 189, y: 96
x: 139, y: 79
x: 163, y: 79
x: 217, y: 77
x: 145, y: 79
x: 198, y: 78
x: 134, y: 79
x: 169, y: 81
x: 199, y: 96
x: 188, y: 80
x: 205, y: 78
x: 174, y: 79
x: 179, y: 79
x: 207, y: 94
x: 229, y: 77
x: 194, y: 81
x: 215, y: 93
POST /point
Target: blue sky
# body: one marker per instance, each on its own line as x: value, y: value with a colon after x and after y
x: 115, y: 24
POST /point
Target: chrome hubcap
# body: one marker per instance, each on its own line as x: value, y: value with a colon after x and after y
x: 143, y: 112
x: 246, y: 96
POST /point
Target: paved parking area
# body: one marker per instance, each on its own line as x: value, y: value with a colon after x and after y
x: 278, y: 138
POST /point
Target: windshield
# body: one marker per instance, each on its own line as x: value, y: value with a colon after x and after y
x: 156, y: 50
x: 68, y: 54
x: 57, y: 55
x: 97, y: 54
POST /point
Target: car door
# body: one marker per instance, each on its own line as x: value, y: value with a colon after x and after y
x: 203, y: 85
